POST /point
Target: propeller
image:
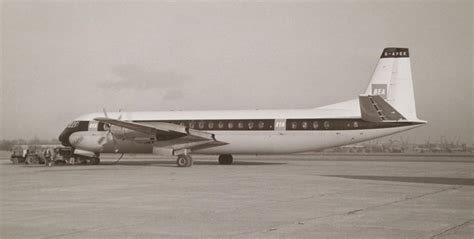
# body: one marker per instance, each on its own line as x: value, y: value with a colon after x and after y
x: 109, y: 135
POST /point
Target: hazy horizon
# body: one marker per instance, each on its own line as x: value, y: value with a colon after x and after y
x: 60, y: 60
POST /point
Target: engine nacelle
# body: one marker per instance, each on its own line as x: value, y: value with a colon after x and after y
x: 123, y: 133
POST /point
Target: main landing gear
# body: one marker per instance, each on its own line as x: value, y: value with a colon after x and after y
x: 184, y: 160
x: 225, y: 159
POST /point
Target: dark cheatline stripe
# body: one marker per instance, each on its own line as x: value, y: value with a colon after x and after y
x: 340, y: 124
x: 290, y: 124
x: 224, y: 124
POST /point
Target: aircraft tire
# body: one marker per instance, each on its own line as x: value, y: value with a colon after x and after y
x: 225, y: 159
x: 95, y: 161
x: 184, y: 161
x: 31, y: 160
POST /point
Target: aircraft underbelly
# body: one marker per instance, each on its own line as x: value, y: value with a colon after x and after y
x: 277, y: 142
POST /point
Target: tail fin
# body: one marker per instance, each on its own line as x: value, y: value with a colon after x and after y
x: 392, y: 81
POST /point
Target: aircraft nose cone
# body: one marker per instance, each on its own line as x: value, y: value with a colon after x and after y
x: 75, y: 139
x: 64, y: 138
x: 86, y: 141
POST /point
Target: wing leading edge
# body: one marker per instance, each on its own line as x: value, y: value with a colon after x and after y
x: 183, y: 137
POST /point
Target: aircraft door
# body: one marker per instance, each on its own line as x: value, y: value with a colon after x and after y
x: 280, y: 124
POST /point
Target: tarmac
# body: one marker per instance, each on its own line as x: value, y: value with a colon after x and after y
x: 303, y: 196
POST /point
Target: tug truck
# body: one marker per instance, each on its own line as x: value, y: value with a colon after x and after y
x: 34, y: 154
x: 18, y: 154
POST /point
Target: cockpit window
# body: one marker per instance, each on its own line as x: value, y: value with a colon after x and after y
x: 73, y: 124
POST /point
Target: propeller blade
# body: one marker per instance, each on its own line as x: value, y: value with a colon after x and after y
x: 109, y: 132
x: 101, y: 140
x: 105, y: 113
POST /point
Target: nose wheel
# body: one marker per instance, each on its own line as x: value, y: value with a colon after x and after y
x: 184, y: 161
x: 225, y: 159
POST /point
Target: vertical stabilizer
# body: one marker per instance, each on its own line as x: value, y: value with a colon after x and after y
x: 393, y: 82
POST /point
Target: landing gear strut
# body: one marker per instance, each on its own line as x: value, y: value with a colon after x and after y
x: 184, y: 160
x: 225, y: 159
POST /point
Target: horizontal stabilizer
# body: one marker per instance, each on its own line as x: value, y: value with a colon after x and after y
x: 374, y: 108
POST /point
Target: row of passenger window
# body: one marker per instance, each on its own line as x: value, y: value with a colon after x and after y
x: 303, y: 124
x: 268, y: 124
x: 228, y: 124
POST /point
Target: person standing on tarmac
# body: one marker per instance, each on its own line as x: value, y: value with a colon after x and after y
x: 47, y: 158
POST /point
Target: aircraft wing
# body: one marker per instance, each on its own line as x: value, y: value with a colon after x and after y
x: 182, y: 137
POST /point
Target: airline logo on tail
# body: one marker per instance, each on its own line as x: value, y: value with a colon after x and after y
x: 380, y: 89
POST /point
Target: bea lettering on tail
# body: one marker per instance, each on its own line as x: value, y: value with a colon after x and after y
x: 380, y: 89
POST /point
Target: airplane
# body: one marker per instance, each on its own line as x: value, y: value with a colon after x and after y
x: 387, y: 107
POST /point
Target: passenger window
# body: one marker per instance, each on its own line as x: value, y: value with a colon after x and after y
x: 250, y: 124
x: 315, y: 125
x: 230, y: 125
x: 304, y: 125
x: 191, y: 125
x: 210, y: 125
x: 294, y: 125
x: 201, y: 124
x: 356, y: 125
x: 241, y: 125
x: 220, y: 125
x: 261, y: 124
x: 326, y: 124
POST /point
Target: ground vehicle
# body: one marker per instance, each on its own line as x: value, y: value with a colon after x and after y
x: 18, y: 154
x: 45, y: 154
x: 34, y: 154
x: 62, y: 155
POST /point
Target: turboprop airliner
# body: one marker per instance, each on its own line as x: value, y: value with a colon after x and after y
x: 387, y: 107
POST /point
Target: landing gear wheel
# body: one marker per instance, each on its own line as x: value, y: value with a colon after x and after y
x: 32, y: 160
x: 95, y: 161
x: 81, y: 160
x: 184, y: 161
x: 225, y: 159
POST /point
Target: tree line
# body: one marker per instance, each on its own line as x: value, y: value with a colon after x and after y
x: 8, y: 144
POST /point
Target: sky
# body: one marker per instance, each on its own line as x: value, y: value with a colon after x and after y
x: 61, y: 59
